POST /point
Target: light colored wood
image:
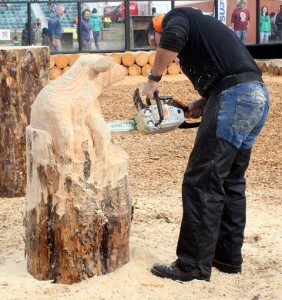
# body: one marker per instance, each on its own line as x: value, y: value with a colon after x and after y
x: 72, y: 59
x: 24, y: 72
x: 142, y: 59
x: 151, y: 58
x: 78, y: 210
x: 134, y: 70
x: 66, y: 69
x: 116, y: 57
x: 146, y: 69
x: 128, y: 59
x: 61, y: 60
x: 52, y: 61
x: 55, y: 72
x: 173, y: 69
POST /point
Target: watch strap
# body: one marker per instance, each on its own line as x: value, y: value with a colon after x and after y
x: 154, y: 78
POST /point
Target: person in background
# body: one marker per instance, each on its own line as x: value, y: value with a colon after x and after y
x: 278, y: 23
x: 85, y: 29
x: 234, y: 105
x: 55, y: 28
x: 96, y: 26
x: 45, y: 37
x: 15, y: 41
x: 25, y: 32
x: 240, y: 20
x: 273, y: 37
x: 265, y: 26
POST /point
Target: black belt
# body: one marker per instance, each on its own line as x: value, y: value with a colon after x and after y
x: 233, y: 80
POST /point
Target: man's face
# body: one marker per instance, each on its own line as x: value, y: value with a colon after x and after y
x: 61, y: 11
x: 86, y: 15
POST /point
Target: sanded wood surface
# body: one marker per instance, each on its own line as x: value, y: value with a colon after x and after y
x: 78, y: 209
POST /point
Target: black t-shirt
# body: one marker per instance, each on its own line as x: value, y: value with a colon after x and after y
x: 208, y: 50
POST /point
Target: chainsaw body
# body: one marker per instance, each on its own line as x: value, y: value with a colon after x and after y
x: 147, y: 119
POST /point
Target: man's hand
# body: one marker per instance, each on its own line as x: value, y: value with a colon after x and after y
x: 195, y: 108
x: 150, y: 88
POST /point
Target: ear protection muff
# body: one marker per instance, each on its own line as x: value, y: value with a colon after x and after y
x: 157, y: 22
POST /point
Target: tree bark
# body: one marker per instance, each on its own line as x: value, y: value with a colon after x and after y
x: 78, y: 209
x: 24, y: 71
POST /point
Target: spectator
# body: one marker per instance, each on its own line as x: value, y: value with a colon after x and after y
x: 45, y: 37
x: 25, y: 36
x: 85, y: 29
x: 55, y: 28
x: 265, y: 27
x: 273, y: 37
x: 240, y: 20
x: 15, y: 41
x: 278, y: 23
x: 96, y: 26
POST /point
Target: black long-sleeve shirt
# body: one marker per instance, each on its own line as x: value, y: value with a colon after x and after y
x: 208, y: 50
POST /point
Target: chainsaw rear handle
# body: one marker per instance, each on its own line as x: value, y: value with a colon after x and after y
x: 160, y: 109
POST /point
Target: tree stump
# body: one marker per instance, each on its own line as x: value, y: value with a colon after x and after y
x: 24, y: 71
x: 78, y: 209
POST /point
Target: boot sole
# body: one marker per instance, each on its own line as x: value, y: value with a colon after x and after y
x: 226, y: 268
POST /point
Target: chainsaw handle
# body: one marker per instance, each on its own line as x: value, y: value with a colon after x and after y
x: 160, y: 109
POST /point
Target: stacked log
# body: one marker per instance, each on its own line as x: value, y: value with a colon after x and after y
x: 139, y: 63
x: 273, y: 67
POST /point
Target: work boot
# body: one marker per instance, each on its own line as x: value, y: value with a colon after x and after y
x: 172, y: 271
x: 226, y: 268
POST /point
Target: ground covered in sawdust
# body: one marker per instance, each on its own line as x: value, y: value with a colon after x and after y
x: 156, y: 166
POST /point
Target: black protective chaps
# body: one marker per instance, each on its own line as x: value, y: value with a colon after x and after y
x: 214, y: 203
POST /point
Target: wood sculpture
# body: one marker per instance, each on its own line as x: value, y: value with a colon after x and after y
x: 78, y: 209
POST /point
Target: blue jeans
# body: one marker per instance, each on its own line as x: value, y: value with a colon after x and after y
x: 242, y: 34
x: 243, y: 111
x: 96, y: 35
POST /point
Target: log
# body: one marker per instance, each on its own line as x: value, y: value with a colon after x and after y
x: 275, y: 70
x: 141, y: 59
x: 55, y: 72
x: 24, y: 72
x: 128, y: 59
x: 134, y: 70
x: 173, y: 69
x: 146, y: 69
x: 72, y: 59
x: 116, y: 57
x: 270, y: 68
x: 77, y: 213
x: 264, y: 67
x: 52, y: 61
x: 61, y: 60
x: 151, y: 58
x: 280, y: 70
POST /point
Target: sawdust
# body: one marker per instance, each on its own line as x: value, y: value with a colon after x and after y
x: 155, y: 172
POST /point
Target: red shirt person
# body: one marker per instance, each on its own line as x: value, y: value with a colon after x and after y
x: 240, y: 20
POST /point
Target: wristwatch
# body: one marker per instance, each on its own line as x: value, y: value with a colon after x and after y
x: 154, y: 78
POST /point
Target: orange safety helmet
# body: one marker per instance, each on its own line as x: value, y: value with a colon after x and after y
x: 157, y: 22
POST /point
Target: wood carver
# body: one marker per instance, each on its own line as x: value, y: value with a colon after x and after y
x: 78, y: 209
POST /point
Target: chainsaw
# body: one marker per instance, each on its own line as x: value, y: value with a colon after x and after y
x: 166, y: 115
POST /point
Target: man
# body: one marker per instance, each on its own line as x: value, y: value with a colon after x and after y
x: 278, y: 23
x: 240, y: 20
x: 85, y: 29
x: 234, y: 107
x: 55, y: 28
